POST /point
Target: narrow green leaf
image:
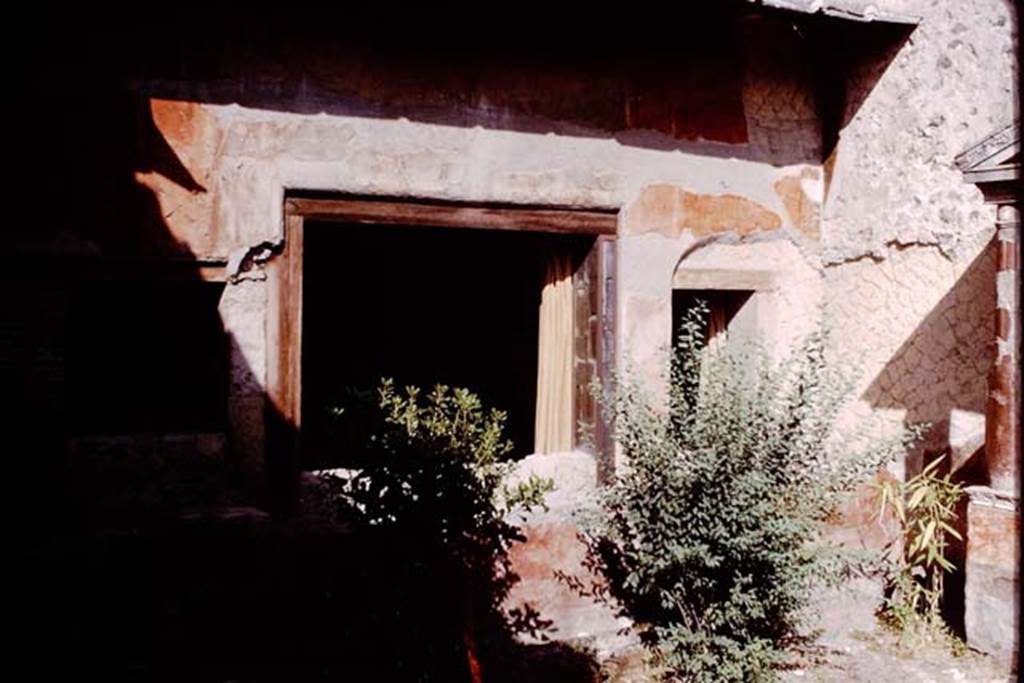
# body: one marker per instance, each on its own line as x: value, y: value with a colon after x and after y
x: 951, y: 531
x: 928, y: 531
x: 930, y: 467
x: 916, y: 499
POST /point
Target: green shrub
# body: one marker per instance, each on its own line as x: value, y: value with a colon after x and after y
x: 442, y: 460
x: 430, y: 487
x: 710, y: 539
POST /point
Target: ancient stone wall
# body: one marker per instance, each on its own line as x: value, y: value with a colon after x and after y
x: 741, y: 155
x: 909, y: 278
x: 362, y: 127
x: 718, y: 158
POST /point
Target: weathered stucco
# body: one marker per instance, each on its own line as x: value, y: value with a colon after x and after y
x: 887, y: 223
x: 834, y: 185
x: 918, y: 328
x: 237, y: 163
x: 993, y: 572
x: 669, y: 211
x: 893, y: 182
x: 909, y: 282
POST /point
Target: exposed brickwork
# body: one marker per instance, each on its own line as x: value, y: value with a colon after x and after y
x: 1002, y: 438
x: 920, y: 329
x: 779, y: 95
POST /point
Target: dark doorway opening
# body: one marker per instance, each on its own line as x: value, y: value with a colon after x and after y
x: 722, y: 306
x: 420, y: 305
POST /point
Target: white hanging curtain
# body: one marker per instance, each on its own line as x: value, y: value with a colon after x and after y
x: 554, y: 427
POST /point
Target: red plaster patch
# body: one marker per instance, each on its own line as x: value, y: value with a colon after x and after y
x: 804, y: 214
x: 670, y: 211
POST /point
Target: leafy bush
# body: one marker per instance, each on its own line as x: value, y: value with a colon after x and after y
x: 431, y: 485
x: 924, y: 508
x: 710, y: 540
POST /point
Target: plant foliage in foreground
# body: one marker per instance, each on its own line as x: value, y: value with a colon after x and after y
x: 924, y: 508
x: 710, y: 540
x: 431, y: 482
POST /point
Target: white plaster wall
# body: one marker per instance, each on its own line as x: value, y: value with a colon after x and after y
x: 787, y: 310
x: 266, y: 153
x: 909, y: 284
x: 948, y: 87
x: 898, y: 225
x: 918, y: 328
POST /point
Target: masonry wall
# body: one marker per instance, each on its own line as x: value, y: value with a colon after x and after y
x: 905, y: 241
x: 745, y: 131
x: 193, y: 150
x: 746, y: 147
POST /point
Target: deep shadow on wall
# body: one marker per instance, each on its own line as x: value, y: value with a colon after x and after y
x: 153, y: 556
x: 144, y: 552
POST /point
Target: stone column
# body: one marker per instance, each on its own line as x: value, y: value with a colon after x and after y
x: 992, y: 587
x: 1002, y: 437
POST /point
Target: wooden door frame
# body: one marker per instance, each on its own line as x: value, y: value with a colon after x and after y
x: 285, y: 285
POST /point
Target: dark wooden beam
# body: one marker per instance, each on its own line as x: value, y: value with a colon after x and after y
x: 283, y: 417
x: 454, y: 215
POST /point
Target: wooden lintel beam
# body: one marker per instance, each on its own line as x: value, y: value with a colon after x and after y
x: 454, y: 215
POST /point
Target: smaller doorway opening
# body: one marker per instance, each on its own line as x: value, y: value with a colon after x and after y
x: 730, y: 313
